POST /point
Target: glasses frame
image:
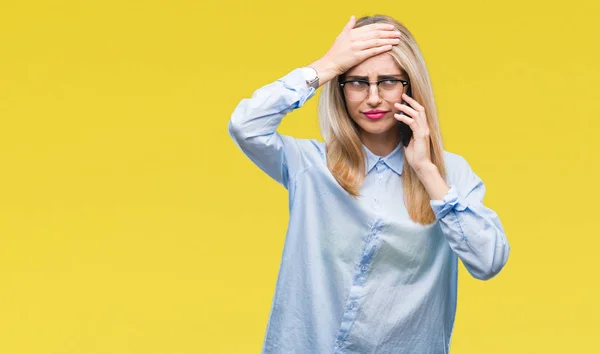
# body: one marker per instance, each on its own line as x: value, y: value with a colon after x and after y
x: 402, y: 81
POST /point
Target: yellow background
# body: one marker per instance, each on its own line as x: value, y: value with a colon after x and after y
x: 131, y: 223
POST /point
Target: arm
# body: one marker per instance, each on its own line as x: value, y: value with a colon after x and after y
x: 254, y: 122
x: 473, y: 230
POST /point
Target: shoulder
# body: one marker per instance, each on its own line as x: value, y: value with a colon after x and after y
x: 316, y: 147
x: 303, y: 154
x: 458, y: 169
x: 454, y: 160
x: 312, y: 149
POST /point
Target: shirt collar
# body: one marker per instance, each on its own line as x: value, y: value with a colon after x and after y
x: 394, y: 160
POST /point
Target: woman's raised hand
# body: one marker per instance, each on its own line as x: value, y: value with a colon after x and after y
x: 354, y: 45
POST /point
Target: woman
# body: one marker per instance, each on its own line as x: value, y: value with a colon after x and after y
x: 376, y: 227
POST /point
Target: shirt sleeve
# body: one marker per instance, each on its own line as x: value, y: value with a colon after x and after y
x: 473, y: 230
x: 254, y: 122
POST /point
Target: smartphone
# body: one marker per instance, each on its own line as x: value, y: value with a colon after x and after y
x: 405, y: 131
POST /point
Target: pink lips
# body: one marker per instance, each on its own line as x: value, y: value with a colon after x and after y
x: 374, y: 114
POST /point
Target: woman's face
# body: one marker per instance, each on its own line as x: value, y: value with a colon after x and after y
x: 376, y: 68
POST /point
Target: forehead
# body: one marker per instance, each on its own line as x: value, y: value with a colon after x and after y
x: 380, y: 64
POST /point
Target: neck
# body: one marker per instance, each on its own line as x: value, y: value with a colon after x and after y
x: 381, y: 144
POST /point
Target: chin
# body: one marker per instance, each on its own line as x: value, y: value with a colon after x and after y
x: 377, y: 127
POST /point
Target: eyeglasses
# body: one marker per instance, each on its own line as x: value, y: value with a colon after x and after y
x: 358, y: 90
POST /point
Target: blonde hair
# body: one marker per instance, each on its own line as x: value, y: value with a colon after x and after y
x: 345, y: 155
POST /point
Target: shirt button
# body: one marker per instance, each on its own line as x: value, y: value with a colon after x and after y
x: 363, y: 268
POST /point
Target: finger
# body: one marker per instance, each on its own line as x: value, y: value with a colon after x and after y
x: 411, y: 122
x: 416, y: 124
x: 406, y: 109
x: 378, y: 42
x: 378, y: 34
x: 418, y: 131
x: 413, y: 102
x: 373, y: 27
x: 420, y: 116
x: 367, y: 53
x: 350, y: 24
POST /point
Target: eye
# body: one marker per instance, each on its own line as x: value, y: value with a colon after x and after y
x: 391, y: 83
x: 356, y: 83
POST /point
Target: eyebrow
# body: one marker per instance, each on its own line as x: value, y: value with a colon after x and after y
x: 378, y: 76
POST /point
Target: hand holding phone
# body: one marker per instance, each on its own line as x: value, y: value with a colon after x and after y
x: 405, y: 131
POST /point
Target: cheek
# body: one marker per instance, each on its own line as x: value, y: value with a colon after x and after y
x: 353, y: 110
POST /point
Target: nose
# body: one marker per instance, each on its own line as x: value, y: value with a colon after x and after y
x: 373, y: 97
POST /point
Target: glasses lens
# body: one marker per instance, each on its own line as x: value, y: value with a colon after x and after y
x: 391, y: 90
x: 357, y: 91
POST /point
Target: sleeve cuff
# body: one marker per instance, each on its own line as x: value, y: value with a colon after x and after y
x: 295, y: 81
x: 450, y: 201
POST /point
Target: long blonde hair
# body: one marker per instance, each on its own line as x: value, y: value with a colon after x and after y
x: 345, y: 155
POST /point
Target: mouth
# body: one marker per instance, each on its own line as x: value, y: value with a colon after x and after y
x: 373, y: 115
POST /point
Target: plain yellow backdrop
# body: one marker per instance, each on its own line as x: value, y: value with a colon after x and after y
x: 131, y: 223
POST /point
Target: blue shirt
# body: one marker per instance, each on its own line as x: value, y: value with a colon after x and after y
x: 358, y: 275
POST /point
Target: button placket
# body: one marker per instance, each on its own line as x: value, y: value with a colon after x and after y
x: 379, y: 170
x: 344, y: 337
x: 379, y: 167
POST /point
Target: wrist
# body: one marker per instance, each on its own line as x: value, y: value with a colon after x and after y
x: 326, y: 70
x: 426, y: 169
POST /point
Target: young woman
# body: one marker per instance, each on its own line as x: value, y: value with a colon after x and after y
x: 376, y: 227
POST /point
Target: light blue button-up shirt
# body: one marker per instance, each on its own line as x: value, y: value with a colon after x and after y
x: 358, y: 275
